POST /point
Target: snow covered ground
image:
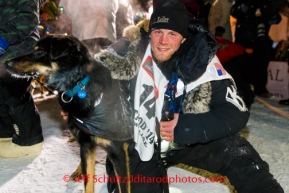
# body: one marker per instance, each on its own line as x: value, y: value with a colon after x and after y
x: 267, y: 130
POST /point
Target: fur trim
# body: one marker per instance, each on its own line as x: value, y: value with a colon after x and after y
x: 125, y: 68
x: 132, y: 32
x: 198, y: 99
x: 122, y: 68
x: 144, y: 24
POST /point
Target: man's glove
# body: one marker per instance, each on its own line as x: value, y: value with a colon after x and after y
x: 3, y: 45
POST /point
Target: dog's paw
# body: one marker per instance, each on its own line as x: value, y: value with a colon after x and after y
x: 71, y: 139
x: 76, y: 176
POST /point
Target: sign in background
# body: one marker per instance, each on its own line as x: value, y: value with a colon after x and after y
x: 278, y: 79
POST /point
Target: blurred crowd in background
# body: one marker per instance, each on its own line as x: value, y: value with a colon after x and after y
x: 248, y: 31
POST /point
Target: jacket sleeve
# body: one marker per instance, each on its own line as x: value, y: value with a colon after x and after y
x: 227, y: 115
x: 16, y: 28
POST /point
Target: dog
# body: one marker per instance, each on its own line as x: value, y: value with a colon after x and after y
x: 99, y: 113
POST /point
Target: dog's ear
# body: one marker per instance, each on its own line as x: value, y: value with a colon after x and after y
x: 44, y: 44
x: 58, y: 48
x: 70, y: 48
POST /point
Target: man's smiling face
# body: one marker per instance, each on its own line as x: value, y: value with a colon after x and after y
x: 165, y: 43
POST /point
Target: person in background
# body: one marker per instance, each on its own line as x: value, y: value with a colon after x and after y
x: 220, y: 16
x: 254, y: 19
x: 181, y: 94
x: 98, y: 23
x: 205, y: 6
x: 49, y: 10
x: 234, y: 59
x: 20, y: 125
x: 53, y: 19
x: 192, y: 6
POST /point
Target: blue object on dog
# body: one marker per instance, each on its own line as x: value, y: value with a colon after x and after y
x: 81, y: 94
x: 80, y: 86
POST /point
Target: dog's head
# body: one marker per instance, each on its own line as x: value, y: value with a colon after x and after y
x: 52, y: 54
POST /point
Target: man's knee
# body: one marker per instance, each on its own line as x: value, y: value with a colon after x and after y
x: 245, y: 169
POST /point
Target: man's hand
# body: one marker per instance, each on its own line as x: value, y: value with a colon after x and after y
x: 167, y: 128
